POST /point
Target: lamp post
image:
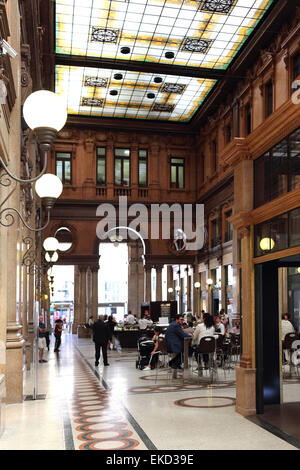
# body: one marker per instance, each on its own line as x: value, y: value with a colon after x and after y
x: 170, y: 291
x: 197, y: 287
x: 45, y: 113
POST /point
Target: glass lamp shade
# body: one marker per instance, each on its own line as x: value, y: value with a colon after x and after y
x: 48, y: 186
x: 50, y: 244
x: 266, y: 244
x: 170, y: 290
x: 209, y: 282
x: 177, y: 288
x: 197, y: 285
x: 51, y: 259
x: 45, y: 109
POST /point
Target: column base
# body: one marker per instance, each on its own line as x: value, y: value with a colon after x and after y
x: 14, y: 374
x: 245, y: 391
x: 2, y: 403
x: 83, y: 332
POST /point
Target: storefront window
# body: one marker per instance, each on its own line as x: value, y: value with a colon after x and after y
x: 278, y: 170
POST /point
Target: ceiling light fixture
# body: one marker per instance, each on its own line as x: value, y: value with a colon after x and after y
x: 125, y: 50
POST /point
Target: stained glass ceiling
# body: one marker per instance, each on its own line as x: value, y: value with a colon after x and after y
x: 203, y: 34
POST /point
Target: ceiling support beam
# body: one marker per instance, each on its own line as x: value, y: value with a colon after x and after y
x: 137, y: 66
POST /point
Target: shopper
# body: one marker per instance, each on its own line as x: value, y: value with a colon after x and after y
x: 57, y: 333
x: 42, y: 331
x: 101, y: 336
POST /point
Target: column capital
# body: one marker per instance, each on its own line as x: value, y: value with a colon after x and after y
x: 82, y: 268
x: 94, y: 269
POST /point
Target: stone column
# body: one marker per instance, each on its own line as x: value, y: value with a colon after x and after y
x: 158, y: 283
x: 76, y: 305
x: 89, y: 293
x: 94, y: 306
x: 147, y: 274
x: 170, y: 282
x: 188, y: 291
x: 134, y: 172
x: 135, y: 279
x: 82, y: 333
x: 110, y: 177
x: 181, y: 293
x: 25, y: 311
x: 245, y: 371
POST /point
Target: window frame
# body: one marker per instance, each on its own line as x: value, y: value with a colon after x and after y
x: 63, y: 160
x: 98, y: 157
x: 122, y: 158
x: 143, y: 159
x: 269, y: 100
x: 177, y: 166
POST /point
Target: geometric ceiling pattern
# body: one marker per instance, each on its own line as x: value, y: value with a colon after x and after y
x: 185, y: 33
x: 129, y: 94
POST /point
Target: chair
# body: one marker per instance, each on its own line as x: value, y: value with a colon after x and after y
x: 166, y: 357
x: 287, y: 345
x: 235, y: 346
x: 207, y: 346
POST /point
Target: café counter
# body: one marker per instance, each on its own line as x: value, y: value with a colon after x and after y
x: 128, y: 337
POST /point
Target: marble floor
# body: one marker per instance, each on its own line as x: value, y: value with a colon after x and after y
x: 83, y: 407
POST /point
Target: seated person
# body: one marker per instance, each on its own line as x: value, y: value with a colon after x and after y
x: 144, y: 322
x: 286, y: 328
x: 175, y: 340
x: 206, y: 328
x: 154, y: 357
x: 236, y: 329
x: 219, y: 326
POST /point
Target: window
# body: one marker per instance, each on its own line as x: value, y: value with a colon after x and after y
x: 101, y: 166
x: 228, y: 134
x: 177, y: 173
x: 63, y: 166
x: 122, y: 167
x: 214, y: 233
x: 143, y: 168
x: 268, y: 98
x: 248, y: 119
x: 228, y: 227
x: 202, y: 169
x: 214, y: 156
x: 296, y: 66
x: 278, y: 170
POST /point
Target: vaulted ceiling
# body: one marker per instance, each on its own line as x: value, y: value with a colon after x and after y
x: 148, y: 60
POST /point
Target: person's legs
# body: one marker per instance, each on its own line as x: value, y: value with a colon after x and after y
x: 176, y: 361
x: 104, y: 353
x: 97, y: 353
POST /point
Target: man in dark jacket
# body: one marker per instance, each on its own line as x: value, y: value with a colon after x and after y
x: 175, y: 340
x: 101, y: 335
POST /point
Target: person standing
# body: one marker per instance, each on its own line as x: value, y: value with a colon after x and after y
x: 130, y: 319
x: 57, y: 333
x: 101, y: 336
x: 111, y: 323
x: 42, y: 331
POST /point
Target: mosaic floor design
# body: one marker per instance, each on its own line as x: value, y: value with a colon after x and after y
x: 211, y: 402
x: 99, y: 422
x: 176, y: 388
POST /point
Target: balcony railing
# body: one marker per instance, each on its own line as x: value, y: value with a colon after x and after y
x: 122, y: 192
x: 101, y: 191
